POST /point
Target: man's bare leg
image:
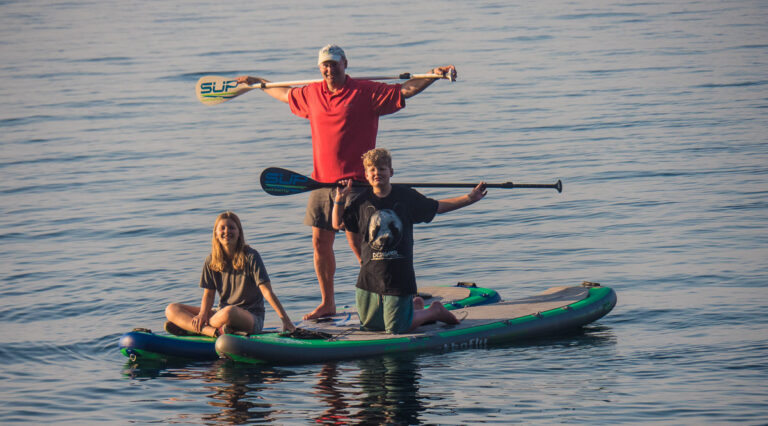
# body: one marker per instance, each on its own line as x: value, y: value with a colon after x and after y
x: 325, y: 268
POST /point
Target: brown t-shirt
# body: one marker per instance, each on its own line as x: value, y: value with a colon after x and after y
x: 238, y: 288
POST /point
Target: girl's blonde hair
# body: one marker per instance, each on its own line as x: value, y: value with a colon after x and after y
x: 377, y: 157
x: 219, y: 259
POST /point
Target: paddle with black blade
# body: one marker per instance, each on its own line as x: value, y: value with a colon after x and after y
x: 277, y: 181
x: 213, y: 89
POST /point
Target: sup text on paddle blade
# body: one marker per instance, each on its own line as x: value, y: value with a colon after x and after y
x: 283, y: 182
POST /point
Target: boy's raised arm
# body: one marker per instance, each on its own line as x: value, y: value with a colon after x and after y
x: 450, y: 204
x: 338, y: 204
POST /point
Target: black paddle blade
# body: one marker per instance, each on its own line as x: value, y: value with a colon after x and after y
x: 277, y: 181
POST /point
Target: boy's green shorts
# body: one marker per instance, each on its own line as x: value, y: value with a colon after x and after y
x: 380, y: 312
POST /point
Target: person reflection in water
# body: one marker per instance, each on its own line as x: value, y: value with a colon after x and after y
x: 390, y: 392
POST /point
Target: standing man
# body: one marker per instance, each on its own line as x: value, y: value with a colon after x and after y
x: 343, y: 114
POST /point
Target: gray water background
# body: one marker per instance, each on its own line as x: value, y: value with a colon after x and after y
x: 652, y: 113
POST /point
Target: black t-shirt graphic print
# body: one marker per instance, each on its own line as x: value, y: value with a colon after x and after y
x: 386, y: 225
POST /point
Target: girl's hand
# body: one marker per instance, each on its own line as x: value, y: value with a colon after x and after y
x: 288, y: 326
x: 200, y: 321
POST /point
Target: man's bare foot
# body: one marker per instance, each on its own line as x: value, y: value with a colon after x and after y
x: 321, y: 312
x: 442, y: 314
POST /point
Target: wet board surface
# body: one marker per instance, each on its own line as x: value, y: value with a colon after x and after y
x: 348, y: 318
x: 473, y: 316
x: 553, y: 311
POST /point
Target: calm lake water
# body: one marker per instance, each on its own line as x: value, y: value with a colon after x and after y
x: 652, y: 113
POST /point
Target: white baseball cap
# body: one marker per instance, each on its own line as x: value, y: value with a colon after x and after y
x: 330, y: 52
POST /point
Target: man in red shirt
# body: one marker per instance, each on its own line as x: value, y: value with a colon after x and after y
x: 343, y: 114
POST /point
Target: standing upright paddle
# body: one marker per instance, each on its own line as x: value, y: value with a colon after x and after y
x: 277, y: 181
x: 213, y: 90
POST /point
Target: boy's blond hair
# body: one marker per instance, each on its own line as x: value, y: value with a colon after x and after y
x: 377, y: 157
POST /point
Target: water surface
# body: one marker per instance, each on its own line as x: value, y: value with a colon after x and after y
x: 652, y: 113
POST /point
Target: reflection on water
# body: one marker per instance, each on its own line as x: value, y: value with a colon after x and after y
x: 237, y: 392
x: 377, y: 390
x: 652, y: 113
x: 329, y: 390
x: 390, y: 390
x: 373, y: 391
x: 233, y: 389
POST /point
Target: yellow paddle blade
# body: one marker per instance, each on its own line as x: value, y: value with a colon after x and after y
x: 212, y: 90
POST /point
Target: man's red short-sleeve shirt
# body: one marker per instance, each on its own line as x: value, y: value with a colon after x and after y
x: 344, y: 123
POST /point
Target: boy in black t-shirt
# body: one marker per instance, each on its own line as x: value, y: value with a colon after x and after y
x: 384, y: 215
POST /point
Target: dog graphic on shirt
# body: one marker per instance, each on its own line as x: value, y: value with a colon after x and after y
x: 385, y: 230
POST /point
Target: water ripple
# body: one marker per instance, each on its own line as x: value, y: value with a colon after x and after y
x: 650, y: 113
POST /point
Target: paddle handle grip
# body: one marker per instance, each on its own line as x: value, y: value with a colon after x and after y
x: 508, y: 185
